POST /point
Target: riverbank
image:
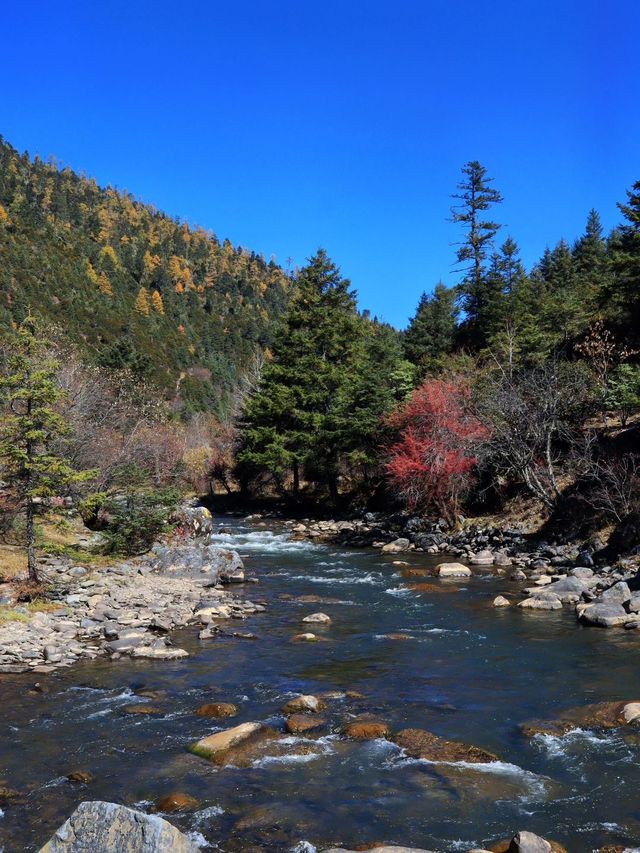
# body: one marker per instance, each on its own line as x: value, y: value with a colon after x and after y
x: 128, y: 608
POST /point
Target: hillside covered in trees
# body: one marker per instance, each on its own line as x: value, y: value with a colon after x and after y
x: 131, y: 287
x: 200, y: 364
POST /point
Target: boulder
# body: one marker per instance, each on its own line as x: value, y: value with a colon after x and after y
x: 528, y: 842
x: 419, y: 743
x: 302, y: 704
x: 604, y: 615
x: 568, y: 589
x: 541, y: 602
x: 482, y: 558
x: 196, y: 520
x: 619, y: 593
x: 501, y: 601
x: 107, y: 826
x: 320, y: 618
x: 397, y: 546
x: 452, y: 570
x: 214, y: 746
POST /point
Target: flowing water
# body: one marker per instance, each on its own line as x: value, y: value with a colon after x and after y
x: 467, y: 672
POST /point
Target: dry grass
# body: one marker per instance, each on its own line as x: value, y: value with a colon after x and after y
x: 13, y: 561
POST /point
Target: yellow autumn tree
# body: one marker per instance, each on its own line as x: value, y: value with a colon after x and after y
x: 91, y: 274
x: 158, y: 304
x: 105, y: 285
x: 4, y: 216
x: 142, y: 304
x: 150, y: 263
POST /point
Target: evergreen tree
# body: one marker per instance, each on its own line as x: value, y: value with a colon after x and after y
x: 379, y: 378
x: 31, y: 428
x: 624, y: 289
x: 475, y: 197
x: 431, y: 331
x: 291, y: 420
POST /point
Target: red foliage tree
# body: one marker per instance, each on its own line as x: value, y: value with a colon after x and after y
x: 431, y: 465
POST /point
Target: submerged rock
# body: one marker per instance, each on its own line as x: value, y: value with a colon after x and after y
x: 384, y: 849
x: 601, y: 715
x: 217, y: 709
x: 367, y: 729
x: 419, y: 743
x: 99, y: 826
x: 176, y: 802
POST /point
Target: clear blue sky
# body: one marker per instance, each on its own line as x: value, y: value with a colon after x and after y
x: 290, y: 125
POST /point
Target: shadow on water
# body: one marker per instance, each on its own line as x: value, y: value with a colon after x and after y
x: 422, y: 654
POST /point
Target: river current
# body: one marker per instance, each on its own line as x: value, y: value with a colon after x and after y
x: 466, y: 672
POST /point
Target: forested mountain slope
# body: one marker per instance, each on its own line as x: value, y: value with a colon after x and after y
x: 129, y: 285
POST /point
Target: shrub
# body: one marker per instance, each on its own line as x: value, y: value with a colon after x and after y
x: 138, y: 520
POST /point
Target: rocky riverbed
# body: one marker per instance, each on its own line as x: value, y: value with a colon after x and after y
x: 129, y: 608
x: 381, y: 698
x: 560, y: 574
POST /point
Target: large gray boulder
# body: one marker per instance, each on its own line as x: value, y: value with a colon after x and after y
x: 568, y: 589
x: 190, y: 560
x: 604, y: 615
x: 99, y: 826
x: 196, y: 520
x: 619, y: 593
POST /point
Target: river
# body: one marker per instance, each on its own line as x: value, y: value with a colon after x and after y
x: 467, y: 672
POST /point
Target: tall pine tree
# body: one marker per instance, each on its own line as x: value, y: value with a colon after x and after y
x: 475, y: 197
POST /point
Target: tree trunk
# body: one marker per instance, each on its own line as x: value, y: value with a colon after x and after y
x: 31, y: 536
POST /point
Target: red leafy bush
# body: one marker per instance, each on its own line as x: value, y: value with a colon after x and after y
x: 431, y: 465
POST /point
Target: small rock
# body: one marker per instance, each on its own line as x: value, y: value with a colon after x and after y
x: 302, y: 704
x: 321, y: 618
x: 501, y: 601
x: 80, y: 777
x: 367, y: 729
x: 300, y: 723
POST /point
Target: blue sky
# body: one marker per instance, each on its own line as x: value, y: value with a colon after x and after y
x: 290, y: 125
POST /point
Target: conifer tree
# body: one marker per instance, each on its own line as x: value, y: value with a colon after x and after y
x: 624, y: 289
x: 291, y: 420
x: 431, y: 331
x: 142, y: 304
x: 31, y: 428
x: 156, y: 300
x: 475, y: 197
